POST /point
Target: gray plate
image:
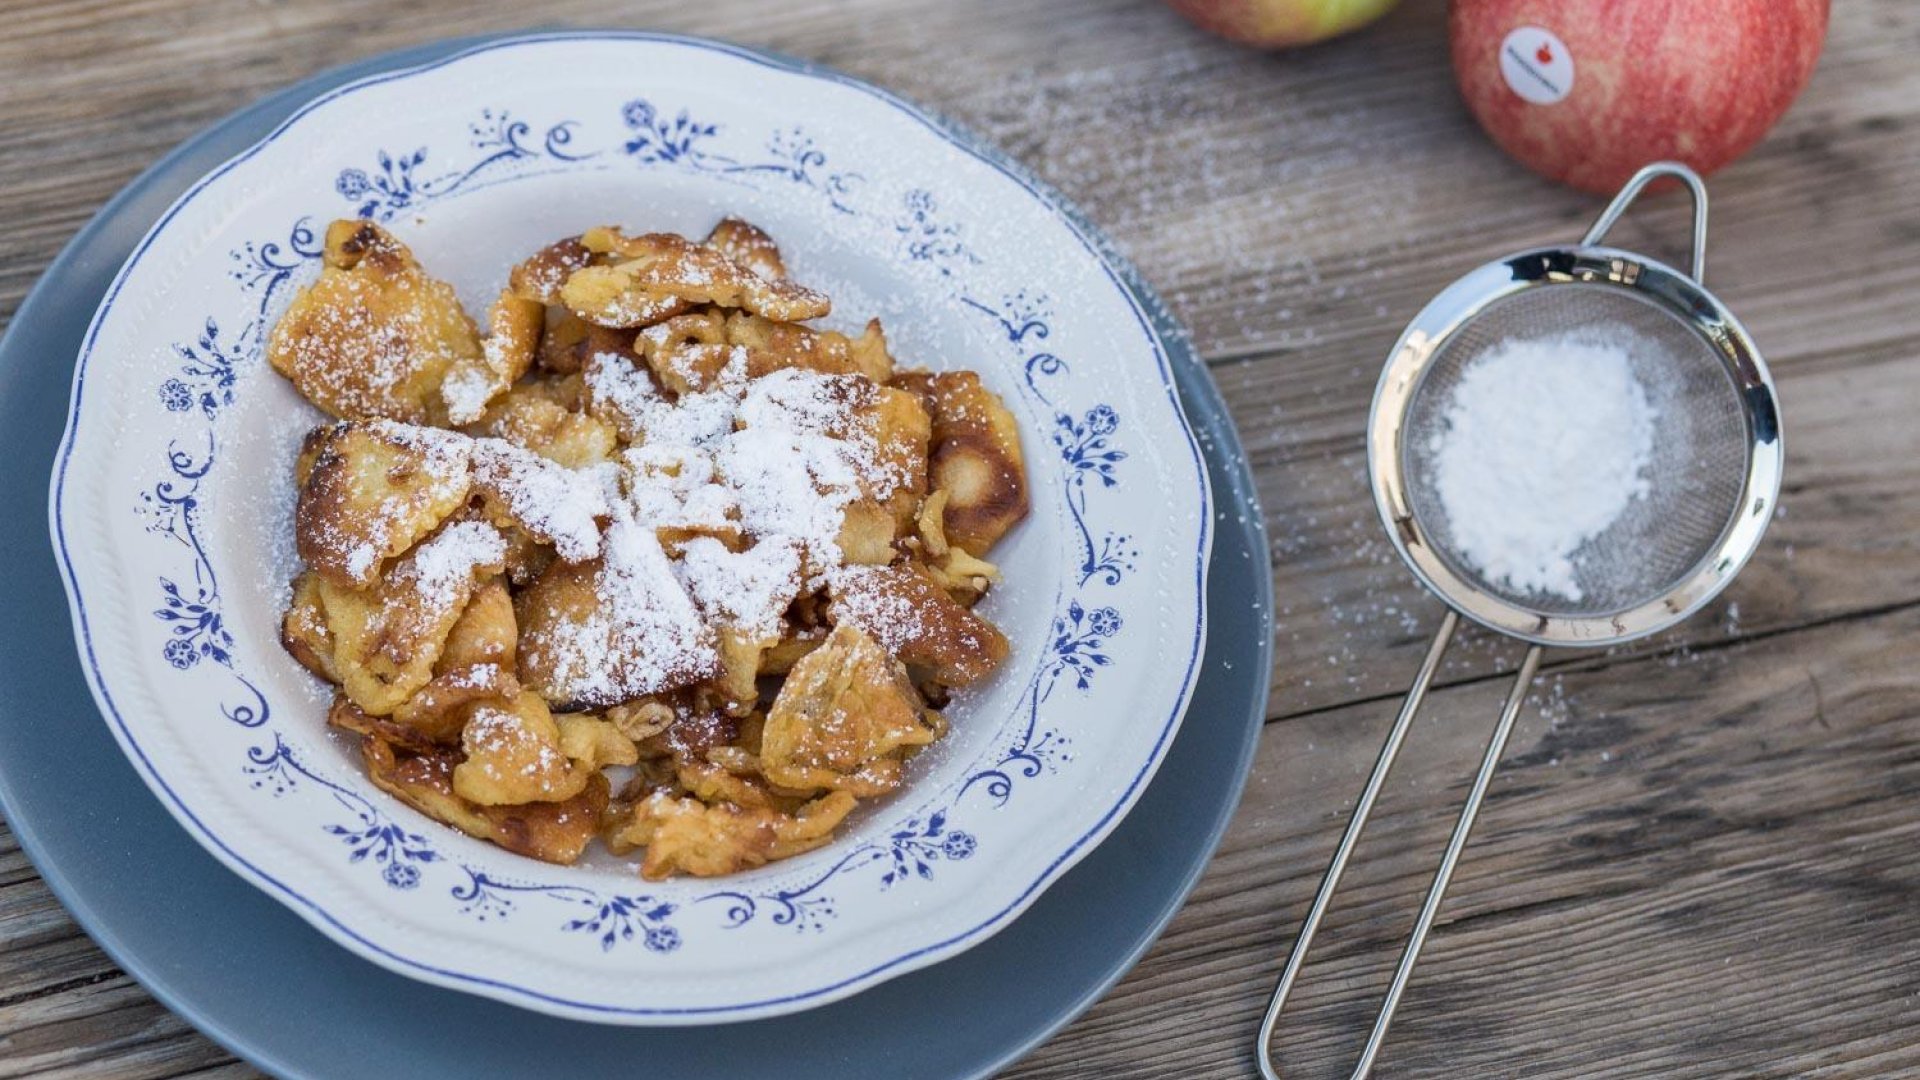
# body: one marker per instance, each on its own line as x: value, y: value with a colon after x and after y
x: 257, y: 979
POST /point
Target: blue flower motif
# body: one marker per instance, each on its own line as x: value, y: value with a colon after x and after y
x: 662, y: 939
x: 1078, y: 639
x: 665, y: 141
x: 353, y: 183
x: 401, y: 875
x: 207, y: 373
x: 176, y: 395
x: 180, y: 653
x: 927, y: 238
x: 913, y: 850
x: 1102, y: 420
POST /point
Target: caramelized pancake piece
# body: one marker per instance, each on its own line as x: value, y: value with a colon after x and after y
x: 620, y: 627
x: 540, y: 275
x: 772, y: 345
x: 743, y: 594
x: 692, y: 353
x: 387, y: 638
x: 374, y: 336
x: 965, y: 578
x: 930, y: 523
x: 484, y: 634
x: 687, y: 352
x: 303, y: 629
x: 912, y: 617
x: 612, y: 298
x: 641, y: 719
x: 563, y: 346
x: 866, y: 534
x: 737, y: 684
x: 372, y: 491
x: 555, y: 832
x: 310, y: 446
x: 514, y: 327
x: 347, y: 716
x: 476, y: 662
x: 600, y: 339
x: 688, y: 836
x: 548, y: 418
x: 594, y: 743
x: 712, y: 783
x: 696, y: 731
x: 568, y: 342
x: 843, y: 719
x: 439, y: 710
x: 744, y: 243
x: 551, y: 503
x: 791, y: 649
x: 622, y: 392
x: 658, y: 275
x: 977, y: 460
x: 902, y: 432
x: 513, y: 755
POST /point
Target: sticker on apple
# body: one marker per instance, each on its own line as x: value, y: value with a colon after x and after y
x: 1536, y: 65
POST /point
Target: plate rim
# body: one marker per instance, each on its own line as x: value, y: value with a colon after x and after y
x: 1123, y: 278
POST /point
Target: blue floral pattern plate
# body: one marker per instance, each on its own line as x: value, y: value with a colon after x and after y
x: 171, y: 499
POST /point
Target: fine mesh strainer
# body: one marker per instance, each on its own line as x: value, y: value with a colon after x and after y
x: 1713, y: 476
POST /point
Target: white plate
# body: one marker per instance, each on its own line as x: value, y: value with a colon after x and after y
x: 171, y: 499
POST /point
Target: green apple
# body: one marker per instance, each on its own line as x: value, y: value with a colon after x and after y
x: 1276, y: 23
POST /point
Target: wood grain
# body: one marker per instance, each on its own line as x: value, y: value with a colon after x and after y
x: 1700, y: 856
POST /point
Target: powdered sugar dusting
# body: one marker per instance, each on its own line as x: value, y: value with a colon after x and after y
x: 889, y: 616
x: 493, y: 734
x: 750, y: 480
x: 443, y: 567
x: 466, y: 390
x: 446, y: 451
x: 477, y: 676
x: 644, y: 634
x: 361, y: 559
x: 800, y: 458
x: 374, y: 345
x: 676, y: 487
x: 559, y: 505
x: 748, y: 590
x: 778, y: 457
x: 618, y: 387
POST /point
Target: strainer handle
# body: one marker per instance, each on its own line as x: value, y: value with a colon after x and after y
x: 1638, y: 182
x: 1296, y: 958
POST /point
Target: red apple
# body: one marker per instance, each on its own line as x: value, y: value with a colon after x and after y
x: 1273, y: 23
x: 1587, y: 91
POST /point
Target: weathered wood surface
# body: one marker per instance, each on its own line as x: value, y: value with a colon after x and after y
x: 1703, y: 855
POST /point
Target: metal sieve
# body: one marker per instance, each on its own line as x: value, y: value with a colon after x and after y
x: 1713, y: 477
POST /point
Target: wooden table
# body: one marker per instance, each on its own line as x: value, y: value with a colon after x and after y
x: 1703, y: 853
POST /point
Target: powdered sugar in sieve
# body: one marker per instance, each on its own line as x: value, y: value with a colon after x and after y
x: 1543, y: 444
